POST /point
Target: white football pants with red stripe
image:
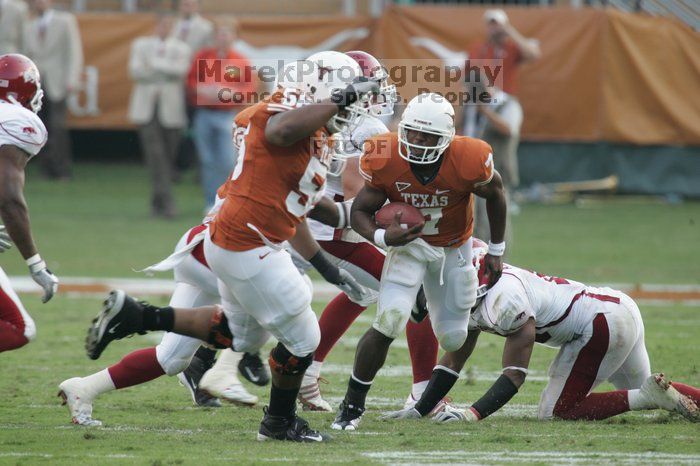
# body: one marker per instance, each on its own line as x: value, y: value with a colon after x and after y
x: 16, y: 326
x: 611, y: 349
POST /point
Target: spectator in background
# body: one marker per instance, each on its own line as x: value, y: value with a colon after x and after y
x: 197, y: 32
x: 53, y: 42
x: 504, y: 42
x: 13, y: 20
x: 213, y: 116
x: 158, y: 65
x: 497, y: 123
x: 191, y: 28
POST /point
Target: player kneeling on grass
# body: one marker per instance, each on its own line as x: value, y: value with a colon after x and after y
x: 436, y: 173
x: 600, y: 336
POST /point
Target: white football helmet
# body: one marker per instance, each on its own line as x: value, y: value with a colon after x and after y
x: 336, y: 72
x: 428, y: 113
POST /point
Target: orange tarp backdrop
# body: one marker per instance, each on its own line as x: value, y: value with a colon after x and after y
x: 603, y: 76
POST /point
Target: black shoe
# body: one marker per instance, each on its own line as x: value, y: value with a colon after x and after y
x: 120, y: 317
x: 420, y: 308
x: 191, y: 376
x: 293, y: 429
x: 348, y: 417
x: 252, y: 369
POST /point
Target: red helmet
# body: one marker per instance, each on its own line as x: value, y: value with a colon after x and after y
x: 479, y: 250
x: 19, y: 81
x: 372, y: 68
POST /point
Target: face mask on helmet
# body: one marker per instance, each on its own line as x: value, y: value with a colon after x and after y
x: 479, y: 250
x: 429, y: 114
x: 383, y: 103
x: 335, y: 71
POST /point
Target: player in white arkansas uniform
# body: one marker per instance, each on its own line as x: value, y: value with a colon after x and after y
x: 22, y: 136
x: 600, y: 336
x: 195, y: 285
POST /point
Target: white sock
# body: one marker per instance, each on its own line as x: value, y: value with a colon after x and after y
x: 227, y: 364
x: 637, y: 401
x: 314, y: 370
x: 418, y: 389
x: 98, y: 383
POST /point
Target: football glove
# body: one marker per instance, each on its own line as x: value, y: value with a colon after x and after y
x: 5, y: 240
x: 43, y: 277
x: 406, y: 413
x: 357, y: 293
x: 353, y: 92
x: 452, y: 414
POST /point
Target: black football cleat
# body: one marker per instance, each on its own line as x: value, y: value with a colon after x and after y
x: 121, y: 316
x: 291, y: 429
x: 348, y: 417
x: 253, y: 370
x: 191, y: 376
x: 420, y: 308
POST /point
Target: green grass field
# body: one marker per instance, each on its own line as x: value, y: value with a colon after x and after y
x: 99, y: 226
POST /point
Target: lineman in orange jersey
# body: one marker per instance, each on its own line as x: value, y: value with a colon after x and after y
x: 426, y: 166
x: 279, y: 177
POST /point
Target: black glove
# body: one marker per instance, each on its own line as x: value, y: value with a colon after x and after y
x: 348, y: 96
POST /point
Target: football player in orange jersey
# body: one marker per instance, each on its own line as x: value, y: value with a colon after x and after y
x: 279, y: 177
x: 426, y: 166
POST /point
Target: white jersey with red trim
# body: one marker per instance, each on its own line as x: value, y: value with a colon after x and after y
x: 561, y: 308
x: 351, y: 145
x: 21, y: 128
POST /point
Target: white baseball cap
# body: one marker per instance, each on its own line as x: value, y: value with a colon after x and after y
x: 497, y: 15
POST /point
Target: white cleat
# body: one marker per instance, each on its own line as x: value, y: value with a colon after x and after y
x: 659, y: 391
x: 439, y: 407
x: 310, y: 395
x: 226, y: 387
x: 78, y: 401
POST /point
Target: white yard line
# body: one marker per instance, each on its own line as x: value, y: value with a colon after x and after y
x: 98, y: 287
x: 542, y: 457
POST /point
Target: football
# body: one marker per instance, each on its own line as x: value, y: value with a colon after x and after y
x: 410, y: 216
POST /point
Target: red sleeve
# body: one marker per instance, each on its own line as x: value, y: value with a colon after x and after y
x: 191, y: 83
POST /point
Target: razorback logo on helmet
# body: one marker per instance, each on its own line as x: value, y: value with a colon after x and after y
x: 28, y: 130
x: 31, y: 75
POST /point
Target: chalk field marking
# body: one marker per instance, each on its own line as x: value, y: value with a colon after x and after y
x: 651, y: 294
x: 544, y: 457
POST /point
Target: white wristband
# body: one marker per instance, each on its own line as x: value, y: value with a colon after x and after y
x: 36, y: 263
x: 379, y: 234
x: 497, y: 249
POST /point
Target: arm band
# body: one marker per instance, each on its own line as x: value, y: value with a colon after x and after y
x: 328, y: 271
x: 379, y: 238
x: 497, y: 249
x: 499, y: 394
x: 35, y: 263
x: 441, y: 382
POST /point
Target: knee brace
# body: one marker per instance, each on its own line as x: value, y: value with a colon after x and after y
x: 285, y: 363
x: 451, y: 334
x: 220, y: 336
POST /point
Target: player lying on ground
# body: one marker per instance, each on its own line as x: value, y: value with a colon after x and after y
x: 350, y: 251
x: 600, y: 336
x: 22, y: 135
x: 279, y: 177
x: 427, y: 167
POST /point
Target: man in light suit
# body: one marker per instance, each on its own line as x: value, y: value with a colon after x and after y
x: 53, y: 42
x: 13, y: 19
x: 158, y: 65
x: 197, y: 32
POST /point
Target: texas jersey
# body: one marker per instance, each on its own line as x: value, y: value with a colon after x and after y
x: 561, y: 308
x: 446, y: 200
x: 21, y: 128
x: 351, y: 145
x: 272, y: 187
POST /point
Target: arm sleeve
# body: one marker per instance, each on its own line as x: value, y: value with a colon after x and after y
x: 138, y: 70
x: 511, y: 309
x: 480, y: 162
x: 371, y: 161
